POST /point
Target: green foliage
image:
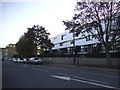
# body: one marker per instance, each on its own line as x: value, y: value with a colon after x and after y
x: 25, y: 47
x: 41, y: 38
x: 35, y: 37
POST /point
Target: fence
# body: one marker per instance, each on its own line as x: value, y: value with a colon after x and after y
x: 81, y: 61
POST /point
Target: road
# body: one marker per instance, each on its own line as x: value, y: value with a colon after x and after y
x: 18, y: 75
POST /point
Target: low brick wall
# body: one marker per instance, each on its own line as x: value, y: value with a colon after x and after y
x: 81, y: 61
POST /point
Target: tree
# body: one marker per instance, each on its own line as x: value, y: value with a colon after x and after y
x: 101, y: 20
x: 41, y: 37
x: 25, y: 46
x: 36, y: 37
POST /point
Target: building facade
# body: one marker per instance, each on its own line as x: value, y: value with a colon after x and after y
x: 1, y: 54
x: 65, y: 44
x: 9, y: 51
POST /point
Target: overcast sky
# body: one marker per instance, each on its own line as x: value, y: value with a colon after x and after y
x: 17, y: 16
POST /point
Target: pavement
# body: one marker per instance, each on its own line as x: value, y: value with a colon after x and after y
x: 112, y: 69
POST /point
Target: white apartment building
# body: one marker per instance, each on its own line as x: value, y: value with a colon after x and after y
x: 65, y: 40
x: 63, y: 43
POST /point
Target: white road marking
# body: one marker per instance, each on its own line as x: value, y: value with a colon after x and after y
x: 106, y: 86
x: 61, y: 77
x: 83, y: 81
x: 87, y: 72
x: 84, y: 78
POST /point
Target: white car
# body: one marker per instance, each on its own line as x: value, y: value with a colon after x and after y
x: 20, y: 60
x: 35, y: 60
x: 14, y: 59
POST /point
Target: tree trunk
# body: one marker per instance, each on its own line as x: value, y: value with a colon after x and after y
x: 109, y: 62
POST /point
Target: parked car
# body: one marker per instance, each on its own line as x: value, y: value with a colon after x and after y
x: 26, y: 60
x: 20, y: 60
x: 10, y: 59
x: 31, y: 60
x: 14, y: 59
x: 35, y: 60
x: 17, y: 59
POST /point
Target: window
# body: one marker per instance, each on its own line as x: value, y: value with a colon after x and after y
x: 72, y: 41
x: 61, y: 44
x: 55, y: 37
x: 88, y: 38
x: 13, y: 45
x: 62, y: 36
x: 82, y: 48
x: 10, y: 45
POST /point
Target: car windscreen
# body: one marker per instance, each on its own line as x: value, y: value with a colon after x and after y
x: 36, y: 58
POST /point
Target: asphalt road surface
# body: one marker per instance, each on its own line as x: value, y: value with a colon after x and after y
x: 19, y: 75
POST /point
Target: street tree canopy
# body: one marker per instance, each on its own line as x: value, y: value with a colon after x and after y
x: 41, y: 37
x: 36, y: 37
x: 25, y: 46
x: 101, y: 20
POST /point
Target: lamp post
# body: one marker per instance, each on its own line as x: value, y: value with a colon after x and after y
x: 74, y: 48
x: 74, y: 42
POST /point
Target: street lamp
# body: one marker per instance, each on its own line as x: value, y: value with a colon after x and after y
x: 74, y: 47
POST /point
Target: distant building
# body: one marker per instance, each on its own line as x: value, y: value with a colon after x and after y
x: 0, y: 53
x: 9, y: 51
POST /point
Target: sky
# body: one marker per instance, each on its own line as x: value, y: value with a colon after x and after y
x: 17, y: 15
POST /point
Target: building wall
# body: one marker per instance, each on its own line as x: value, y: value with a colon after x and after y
x: 9, y: 51
x: 67, y: 40
x: 0, y: 53
x: 82, y: 61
